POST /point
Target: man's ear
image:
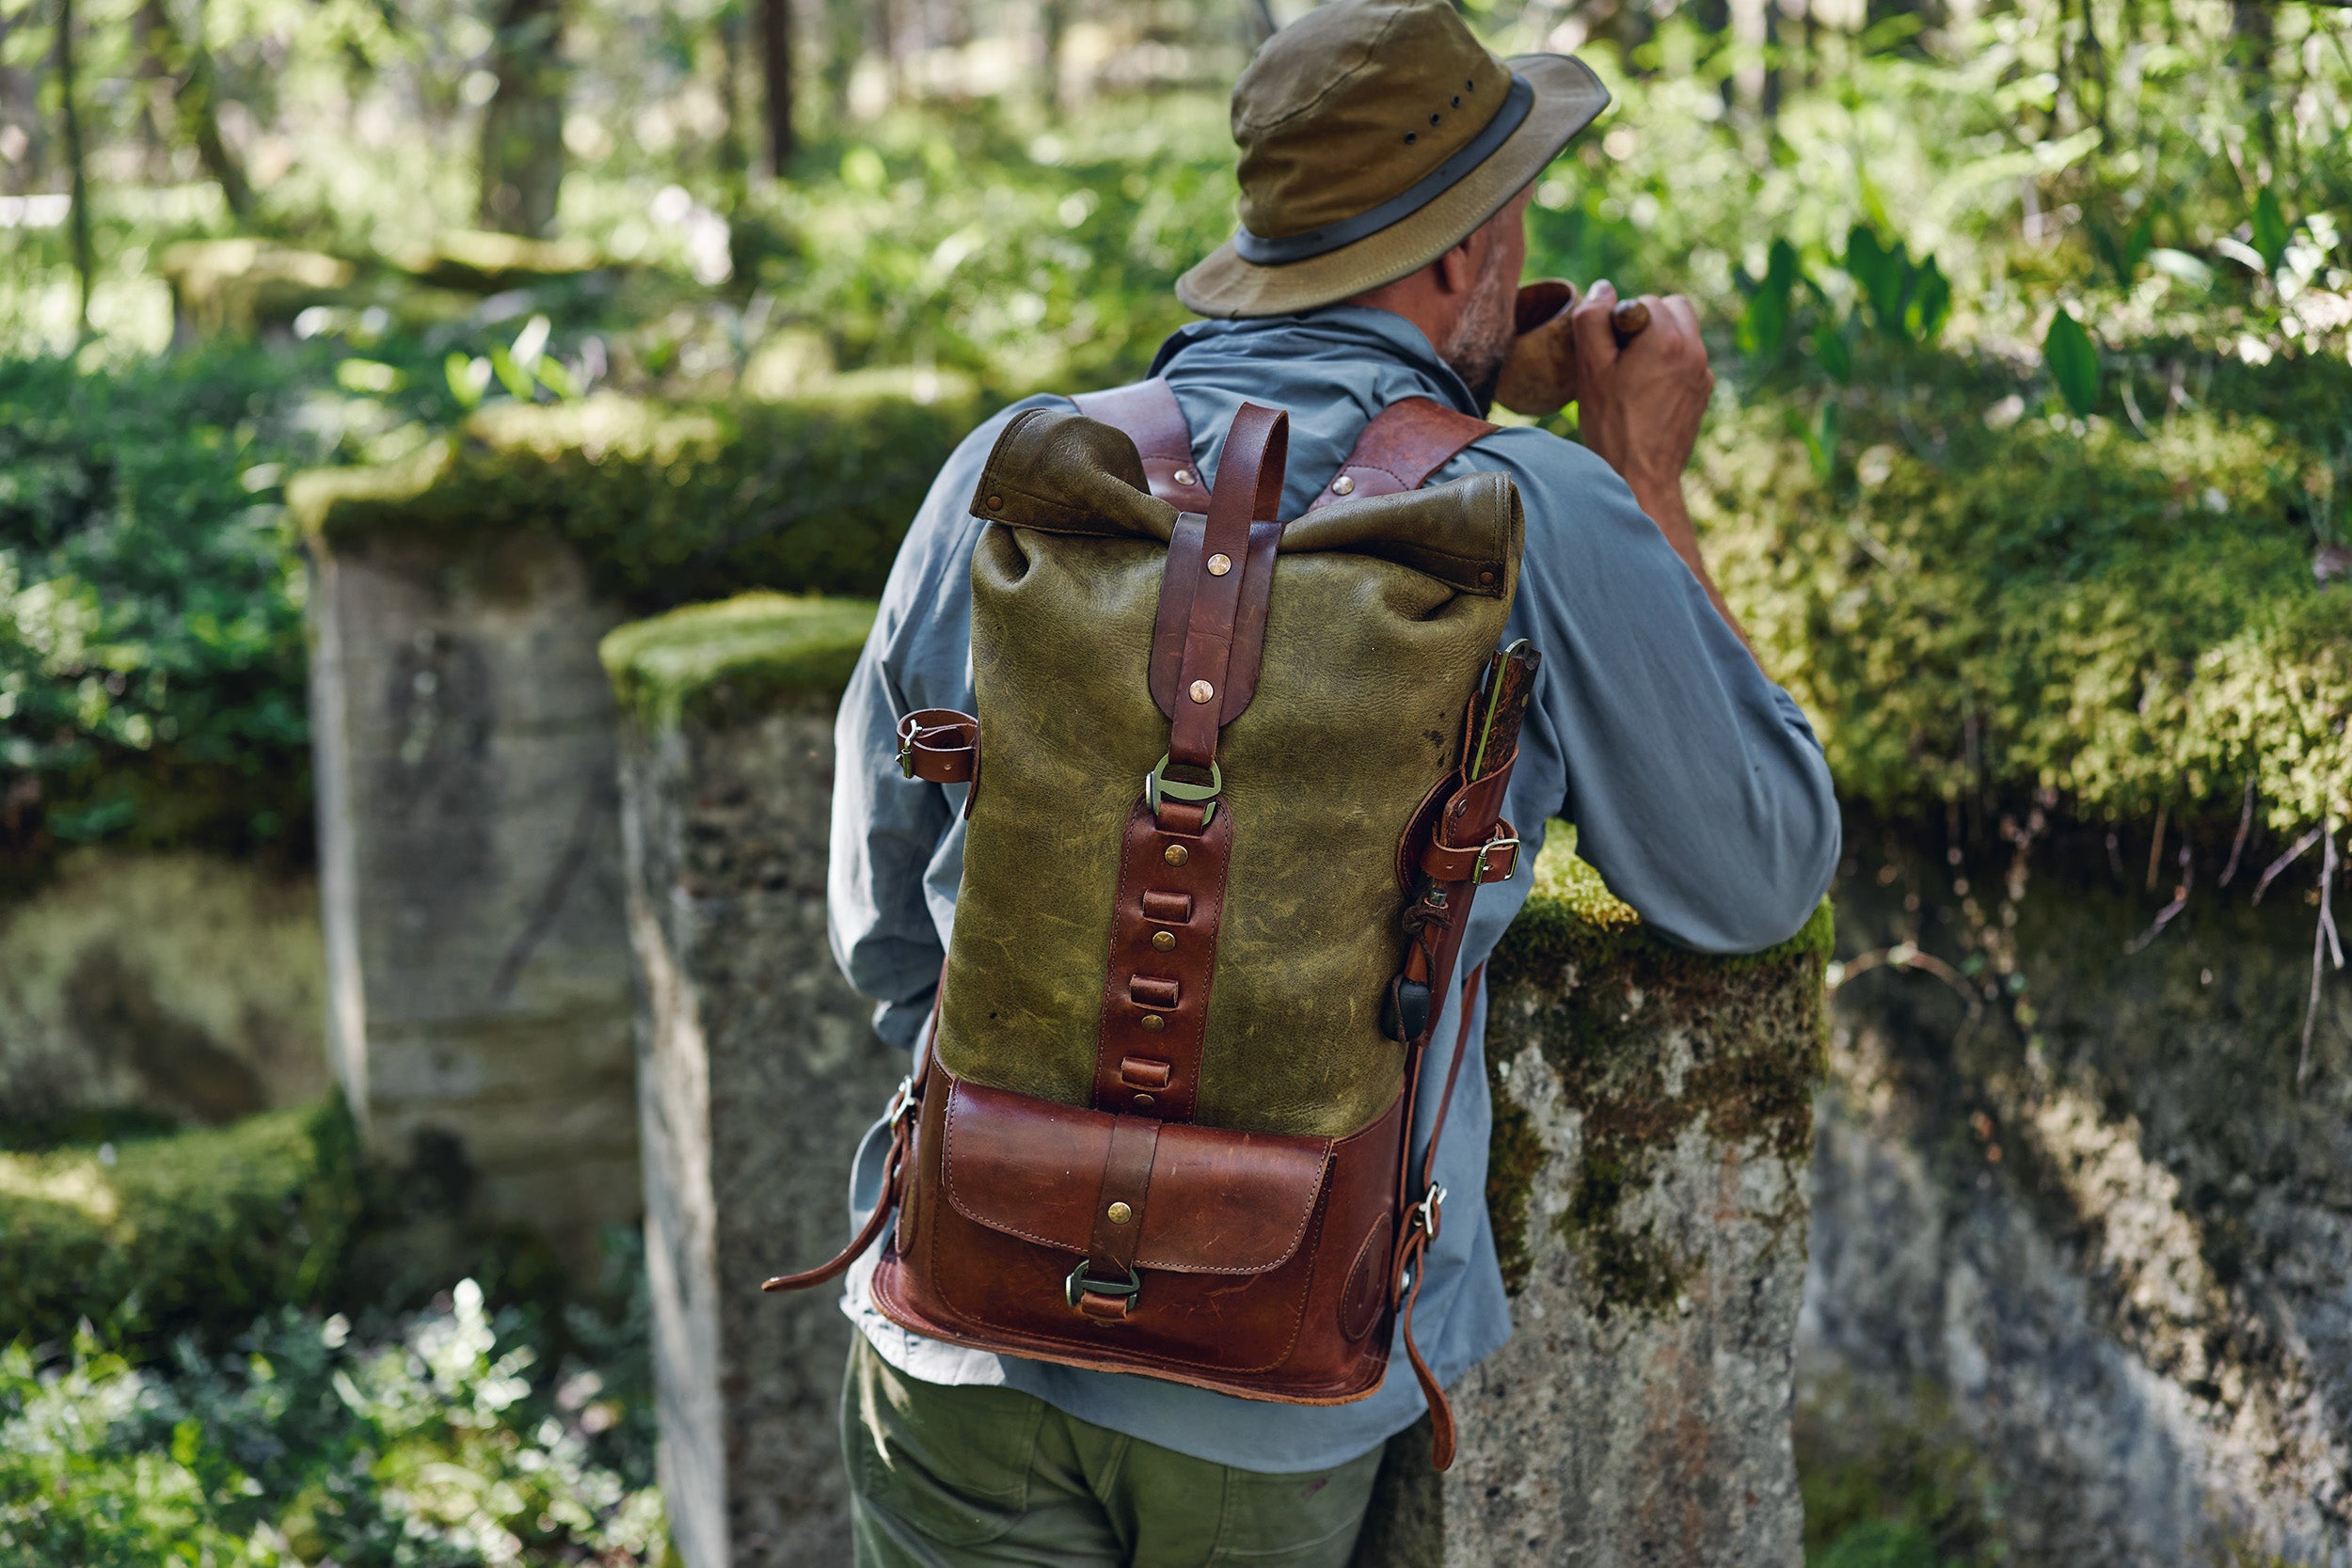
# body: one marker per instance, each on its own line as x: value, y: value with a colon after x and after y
x: 1458, y: 269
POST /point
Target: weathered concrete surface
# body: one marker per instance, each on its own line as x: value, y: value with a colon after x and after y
x: 758, y: 1066
x: 477, y: 975
x: 1652, y: 1129
x: 2095, y: 1220
x: 187, y: 984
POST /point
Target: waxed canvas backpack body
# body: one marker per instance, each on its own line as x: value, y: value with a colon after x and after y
x: 1234, y: 780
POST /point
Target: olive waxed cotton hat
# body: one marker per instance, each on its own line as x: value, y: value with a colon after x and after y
x: 1374, y: 136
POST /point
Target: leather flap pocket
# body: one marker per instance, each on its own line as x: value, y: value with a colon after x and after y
x: 1218, y: 1202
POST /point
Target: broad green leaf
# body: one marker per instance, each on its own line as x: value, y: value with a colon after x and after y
x: 1931, y: 302
x: 2270, y: 229
x: 2074, y: 362
x: 512, y: 377
x: 1764, y: 329
x: 467, y: 378
x: 1837, y: 355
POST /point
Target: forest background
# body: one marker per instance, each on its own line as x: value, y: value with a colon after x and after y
x: 2030, y: 469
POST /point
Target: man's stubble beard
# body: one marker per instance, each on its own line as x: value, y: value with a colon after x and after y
x: 1482, y: 335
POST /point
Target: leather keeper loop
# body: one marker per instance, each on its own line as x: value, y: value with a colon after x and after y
x: 939, y: 745
x: 1148, y: 990
x: 1495, y: 860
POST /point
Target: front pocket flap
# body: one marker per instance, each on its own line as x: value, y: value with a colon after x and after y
x: 1219, y: 1201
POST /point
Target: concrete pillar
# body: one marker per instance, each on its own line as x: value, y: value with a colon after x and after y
x: 758, y: 1066
x: 478, y: 979
x: 1653, y: 1127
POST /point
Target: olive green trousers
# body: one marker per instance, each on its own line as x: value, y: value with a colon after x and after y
x: 942, y: 1478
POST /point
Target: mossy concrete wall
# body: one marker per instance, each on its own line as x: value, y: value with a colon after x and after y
x: 1647, y: 1185
x: 184, y: 984
x: 2073, y: 1196
x: 757, y: 1065
x: 479, y: 999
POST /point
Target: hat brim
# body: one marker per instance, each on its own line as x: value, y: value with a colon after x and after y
x: 1568, y: 97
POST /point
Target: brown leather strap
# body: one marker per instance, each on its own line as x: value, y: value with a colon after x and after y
x: 1119, y: 1216
x: 1404, y: 443
x: 1147, y: 411
x: 1248, y: 490
x: 939, y: 745
x: 1154, y: 1010
x: 1421, y: 1223
x: 894, y: 1163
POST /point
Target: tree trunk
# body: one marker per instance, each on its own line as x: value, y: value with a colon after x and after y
x: 189, y: 65
x: 85, y: 259
x: 522, y: 132
x: 775, y: 59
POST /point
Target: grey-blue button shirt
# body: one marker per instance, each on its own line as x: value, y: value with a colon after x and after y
x: 1698, y: 790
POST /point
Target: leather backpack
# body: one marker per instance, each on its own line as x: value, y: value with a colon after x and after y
x: 1235, y: 781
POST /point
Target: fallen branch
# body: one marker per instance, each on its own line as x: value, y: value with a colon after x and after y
x: 2245, y: 826
x: 2180, y: 902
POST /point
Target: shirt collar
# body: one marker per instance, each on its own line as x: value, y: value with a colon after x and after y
x: 1336, y: 332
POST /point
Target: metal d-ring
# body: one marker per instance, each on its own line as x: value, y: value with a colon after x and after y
x: 1078, y: 1282
x: 1157, y: 786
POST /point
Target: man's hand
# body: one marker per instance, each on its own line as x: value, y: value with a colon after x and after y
x: 1639, y: 405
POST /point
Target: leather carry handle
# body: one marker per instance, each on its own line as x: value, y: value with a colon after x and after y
x: 1249, y: 488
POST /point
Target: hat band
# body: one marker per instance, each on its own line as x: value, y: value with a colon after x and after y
x: 1265, y: 252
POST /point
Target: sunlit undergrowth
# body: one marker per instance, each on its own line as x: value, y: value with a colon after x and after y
x: 450, y: 1441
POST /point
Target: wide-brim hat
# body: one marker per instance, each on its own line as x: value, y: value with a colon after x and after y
x: 1376, y: 135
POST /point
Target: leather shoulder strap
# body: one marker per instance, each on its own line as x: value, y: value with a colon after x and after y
x: 1404, y: 443
x: 1148, y: 414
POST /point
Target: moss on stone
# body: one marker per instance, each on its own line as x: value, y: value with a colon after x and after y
x: 715, y: 660
x: 2131, y: 621
x: 1647, y: 1039
x: 666, y: 504
x: 200, y: 1229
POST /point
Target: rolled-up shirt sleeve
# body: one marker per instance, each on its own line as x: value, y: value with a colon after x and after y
x: 1698, y: 789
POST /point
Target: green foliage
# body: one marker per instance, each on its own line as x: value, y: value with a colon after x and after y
x: 2010, y: 607
x: 151, y: 612
x: 198, y: 1230
x: 453, y: 1444
x: 666, y: 503
x: 2073, y: 363
x: 1890, y: 1485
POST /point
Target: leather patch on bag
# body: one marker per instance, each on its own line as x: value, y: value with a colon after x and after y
x: 1367, y: 1292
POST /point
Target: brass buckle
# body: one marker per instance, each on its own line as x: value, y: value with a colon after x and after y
x: 1479, y: 868
x: 1078, y: 1282
x: 1157, y: 786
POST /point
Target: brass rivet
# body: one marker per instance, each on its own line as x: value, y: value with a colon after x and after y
x: 1219, y: 564
x: 1184, y: 476
x: 1344, y: 485
x: 1120, y: 1213
x: 996, y: 504
x: 1486, y: 577
x: 1153, y: 1022
x: 1176, y: 854
x: 1143, y: 1103
x: 1164, y: 940
x: 1202, y: 691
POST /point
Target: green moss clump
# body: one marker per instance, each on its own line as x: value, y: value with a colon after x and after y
x: 197, y: 1230
x: 666, y: 504
x: 734, y: 656
x: 1611, y: 994
x: 2133, y: 622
